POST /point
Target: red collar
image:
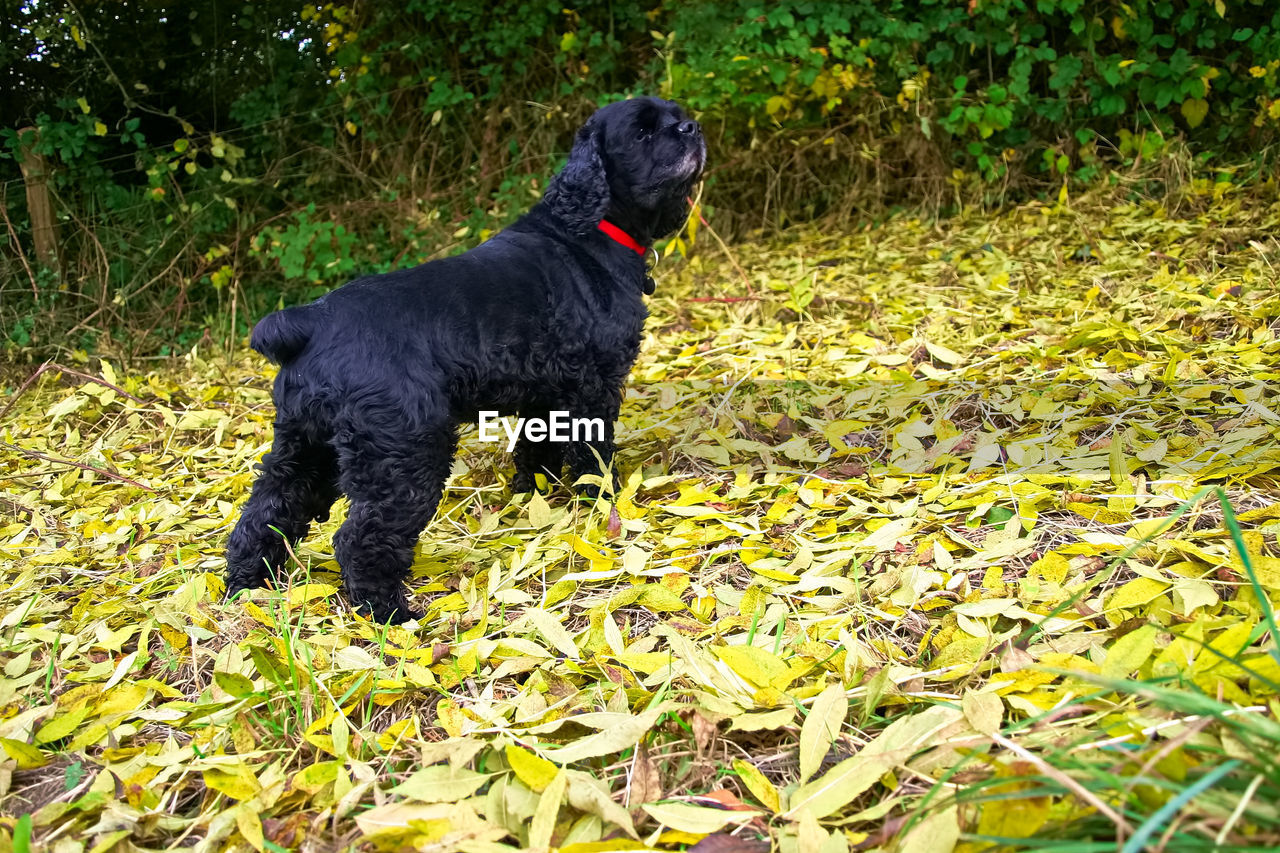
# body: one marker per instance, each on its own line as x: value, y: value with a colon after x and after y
x: 621, y: 236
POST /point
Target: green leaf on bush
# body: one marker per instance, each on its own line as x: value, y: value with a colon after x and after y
x: 1194, y: 110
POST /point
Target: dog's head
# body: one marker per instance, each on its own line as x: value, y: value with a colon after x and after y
x: 634, y: 163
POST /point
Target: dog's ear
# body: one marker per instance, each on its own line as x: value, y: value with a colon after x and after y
x: 579, y: 193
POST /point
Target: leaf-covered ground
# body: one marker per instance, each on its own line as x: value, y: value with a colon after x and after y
x: 892, y: 570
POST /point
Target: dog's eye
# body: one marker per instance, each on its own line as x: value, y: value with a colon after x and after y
x: 642, y: 134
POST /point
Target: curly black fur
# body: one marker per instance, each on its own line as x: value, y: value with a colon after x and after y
x: 376, y: 376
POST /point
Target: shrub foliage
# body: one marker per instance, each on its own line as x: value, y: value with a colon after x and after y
x: 208, y: 161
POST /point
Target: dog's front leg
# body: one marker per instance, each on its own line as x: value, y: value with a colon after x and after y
x: 590, y: 452
x: 532, y: 458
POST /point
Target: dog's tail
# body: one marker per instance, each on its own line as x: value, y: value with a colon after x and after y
x: 283, y: 335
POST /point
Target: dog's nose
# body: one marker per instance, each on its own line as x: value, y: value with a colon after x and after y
x: 687, y: 127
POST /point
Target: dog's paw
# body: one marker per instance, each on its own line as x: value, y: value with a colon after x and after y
x: 587, y: 492
x: 526, y: 482
x: 395, y: 613
x: 400, y: 617
x: 590, y: 489
x: 237, y: 587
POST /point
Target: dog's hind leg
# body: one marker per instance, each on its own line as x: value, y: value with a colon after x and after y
x: 297, y: 483
x: 394, y: 484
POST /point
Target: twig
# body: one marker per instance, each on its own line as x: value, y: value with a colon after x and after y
x: 17, y: 247
x: 112, y: 77
x: 23, y: 387
x: 17, y: 507
x: 1239, y: 809
x: 1066, y: 781
x: 53, y: 365
x: 111, y: 475
x: 104, y: 304
x: 751, y: 291
x: 43, y: 472
x: 1166, y: 748
x: 104, y: 383
x: 1177, y: 721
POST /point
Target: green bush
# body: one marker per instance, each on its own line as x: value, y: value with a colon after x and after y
x: 268, y: 150
x: 991, y: 79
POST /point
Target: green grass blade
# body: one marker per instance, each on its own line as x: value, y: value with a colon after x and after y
x: 1169, y: 809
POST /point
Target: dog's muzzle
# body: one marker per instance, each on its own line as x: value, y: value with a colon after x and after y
x: 695, y: 157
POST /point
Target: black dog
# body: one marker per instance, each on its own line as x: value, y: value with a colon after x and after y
x: 376, y: 376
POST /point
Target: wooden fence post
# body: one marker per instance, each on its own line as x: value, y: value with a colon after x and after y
x: 44, y: 228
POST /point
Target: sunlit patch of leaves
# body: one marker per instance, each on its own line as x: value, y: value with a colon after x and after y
x: 911, y: 553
